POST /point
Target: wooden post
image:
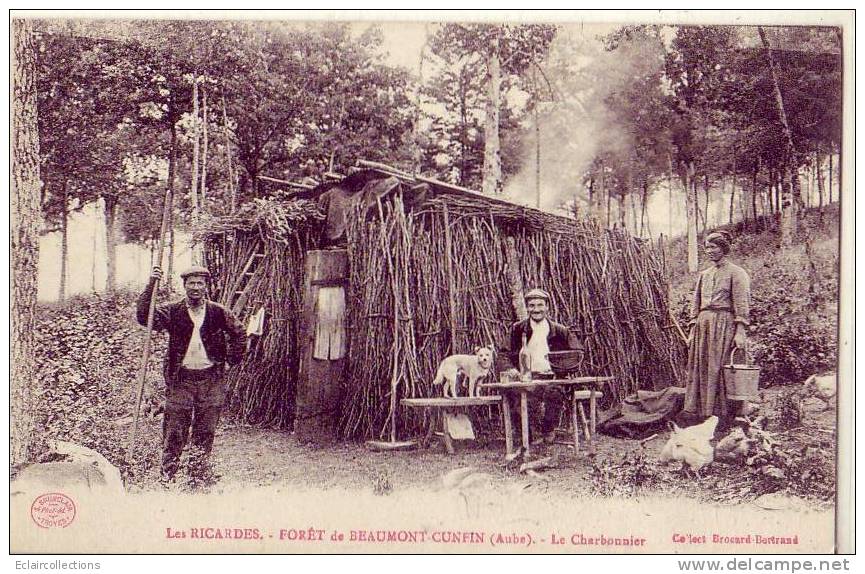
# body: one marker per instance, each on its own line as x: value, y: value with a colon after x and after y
x: 320, y: 380
x: 575, y: 425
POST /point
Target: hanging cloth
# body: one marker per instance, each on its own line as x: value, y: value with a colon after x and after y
x: 330, y: 337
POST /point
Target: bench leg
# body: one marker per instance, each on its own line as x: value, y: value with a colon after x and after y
x: 593, y: 411
x: 575, y: 426
x: 506, y: 420
x: 449, y: 443
x: 585, y: 422
x: 430, y: 432
x: 524, y: 420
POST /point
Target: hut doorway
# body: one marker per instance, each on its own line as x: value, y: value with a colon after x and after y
x: 323, y: 345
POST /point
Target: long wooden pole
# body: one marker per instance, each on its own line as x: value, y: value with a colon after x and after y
x: 145, y: 355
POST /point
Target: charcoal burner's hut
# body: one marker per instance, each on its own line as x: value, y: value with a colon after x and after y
x: 365, y: 283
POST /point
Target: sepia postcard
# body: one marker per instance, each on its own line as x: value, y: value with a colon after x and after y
x: 431, y: 282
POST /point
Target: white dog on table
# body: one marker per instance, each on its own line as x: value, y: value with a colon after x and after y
x: 474, y: 367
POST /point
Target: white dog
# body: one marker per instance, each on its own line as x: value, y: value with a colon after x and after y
x: 474, y: 367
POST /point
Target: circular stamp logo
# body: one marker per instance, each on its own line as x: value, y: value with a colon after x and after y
x: 53, y: 510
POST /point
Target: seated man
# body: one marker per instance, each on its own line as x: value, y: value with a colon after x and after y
x: 541, y: 335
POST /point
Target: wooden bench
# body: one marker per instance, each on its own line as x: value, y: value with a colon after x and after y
x: 444, y: 405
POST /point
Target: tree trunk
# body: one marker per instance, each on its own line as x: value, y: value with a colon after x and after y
x: 492, y: 176
x: 788, y: 213
x: 754, y: 190
x: 172, y: 171
x: 733, y: 189
x: 691, y: 217
x: 196, y: 158
x: 232, y: 186
x: 670, y: 195
x: 609, y: 208
x: 204, y: 150
x: 598, y: 208
x: 788, y: 208
x: 110, y: 242
x: 64, y: 241
x: 93, y: 263
x: 830, y: 176
x: 706, y: 209
x: 772, y: 191
x: 818, y: 173
x: 623, y: 223
x: 195, y: 151
x: 630, y: 192
x: 644, y: 199
x: 537, y: 159
x: 25, y: 217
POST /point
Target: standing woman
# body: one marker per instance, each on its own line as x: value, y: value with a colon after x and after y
x: 719, y: 319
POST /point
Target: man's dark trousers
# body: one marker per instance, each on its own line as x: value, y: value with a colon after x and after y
x: 551, y: 399
x: 193, y: 400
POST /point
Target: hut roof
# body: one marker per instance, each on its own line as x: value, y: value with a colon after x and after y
x: 421, y: 191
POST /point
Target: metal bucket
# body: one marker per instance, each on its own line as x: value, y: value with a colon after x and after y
x: 741, y: 380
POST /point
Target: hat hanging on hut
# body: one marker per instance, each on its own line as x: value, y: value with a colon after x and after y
x: 538, y: 294
x: 195, y: 271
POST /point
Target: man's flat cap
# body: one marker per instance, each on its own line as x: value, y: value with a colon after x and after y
x: 538, y: 294
x: 195, y: 271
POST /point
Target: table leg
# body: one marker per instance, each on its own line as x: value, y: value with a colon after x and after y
x: 506, y: 415
x: 524, y: 420
x: 585, y: 423
x: 575, y: 425
x: 593, y: 410
x: 449, y: 443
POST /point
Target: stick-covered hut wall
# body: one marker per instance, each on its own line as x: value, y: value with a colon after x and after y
x: 433, y: 281
x: 431, y: 274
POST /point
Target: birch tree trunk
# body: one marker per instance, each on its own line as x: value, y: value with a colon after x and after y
x: 25, y: 218
x: 492, y: 175
x: 196, y: 135
x: 691, y: 217
x: 232, y: 187
x: 110, y: 242
x: 195, y: 150
x: 204, y: 150
x: 788, y: 211
x: 64, y: 241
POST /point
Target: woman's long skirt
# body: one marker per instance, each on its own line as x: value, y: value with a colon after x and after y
x: 708, y: 352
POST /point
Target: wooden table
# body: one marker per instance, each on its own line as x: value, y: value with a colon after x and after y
x: 524, y: 387
x: 442, y: 405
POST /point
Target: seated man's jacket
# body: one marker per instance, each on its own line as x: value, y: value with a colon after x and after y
x: 560, y: 338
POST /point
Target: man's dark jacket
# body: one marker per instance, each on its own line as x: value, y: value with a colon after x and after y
x: 559, y: 339
x: 223, y: 336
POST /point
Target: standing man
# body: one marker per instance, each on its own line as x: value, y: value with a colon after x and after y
x: 541, y: 335
x: 202, y: 337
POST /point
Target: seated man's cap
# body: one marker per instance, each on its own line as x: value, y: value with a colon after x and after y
x: 538, y: 294
x: 195, y: 270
